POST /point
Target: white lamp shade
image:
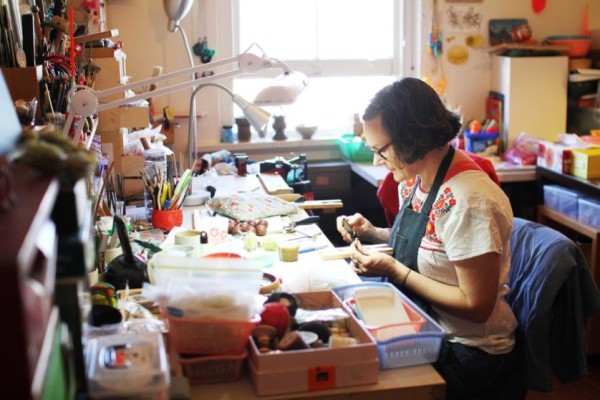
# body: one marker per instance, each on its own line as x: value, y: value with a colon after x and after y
x: 176, y: 10
x: 283, y: 91
x: 257, y: 117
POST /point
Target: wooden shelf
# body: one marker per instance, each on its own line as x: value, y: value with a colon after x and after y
x: 24, y: 257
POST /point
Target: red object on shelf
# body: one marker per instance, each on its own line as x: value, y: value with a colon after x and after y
x: 278, y: 316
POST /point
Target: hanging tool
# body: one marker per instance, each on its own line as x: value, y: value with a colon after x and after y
x: 436, y: 50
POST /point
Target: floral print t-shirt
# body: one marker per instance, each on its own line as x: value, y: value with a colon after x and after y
x: 470, y: 216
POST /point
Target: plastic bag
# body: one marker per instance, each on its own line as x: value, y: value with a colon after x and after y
x: 523, y: 150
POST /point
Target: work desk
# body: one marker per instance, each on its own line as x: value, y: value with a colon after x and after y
x: 375, y: 174
x: 417, y: 382
x: 515, y: 181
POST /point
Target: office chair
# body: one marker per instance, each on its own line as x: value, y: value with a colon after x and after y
x: 552, y: 293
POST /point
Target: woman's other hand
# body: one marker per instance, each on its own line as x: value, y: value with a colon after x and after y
x: 367, y: 262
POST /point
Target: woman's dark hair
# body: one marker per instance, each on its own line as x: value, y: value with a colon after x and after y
x: 415, y: 117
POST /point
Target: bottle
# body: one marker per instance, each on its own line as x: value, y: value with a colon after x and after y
x: 358, y: 125
x: 155, y: 165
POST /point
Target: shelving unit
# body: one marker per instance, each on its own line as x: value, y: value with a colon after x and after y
x: 575, y: 229
x: 27, y: 259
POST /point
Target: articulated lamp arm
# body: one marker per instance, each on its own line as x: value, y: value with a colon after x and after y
x: 85, y: 102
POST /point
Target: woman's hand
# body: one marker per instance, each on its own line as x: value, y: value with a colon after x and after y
x: 367, y: 262
x: 359, y: 225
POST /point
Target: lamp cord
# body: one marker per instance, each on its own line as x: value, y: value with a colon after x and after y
x: 192, y: 143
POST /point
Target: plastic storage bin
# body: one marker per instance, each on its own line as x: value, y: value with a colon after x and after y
x: 551, y: 193
x: 212, y: 369
x: 588, y: 212
x: 406, y: 349
x: 127, y: 366
x: 479, y: 142
x: 353, y: 148
x: 209, y: 335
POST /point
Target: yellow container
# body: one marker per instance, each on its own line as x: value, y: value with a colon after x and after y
x: 586, y: 163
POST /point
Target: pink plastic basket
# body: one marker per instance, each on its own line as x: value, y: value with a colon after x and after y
x: 209, y: 335
x: 212, y: 369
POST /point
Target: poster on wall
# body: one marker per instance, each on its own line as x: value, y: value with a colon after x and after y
x: 463, y: 18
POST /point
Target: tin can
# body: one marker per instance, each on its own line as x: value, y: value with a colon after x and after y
x: 241, y: 163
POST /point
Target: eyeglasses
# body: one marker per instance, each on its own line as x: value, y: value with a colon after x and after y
x: 380, y: 151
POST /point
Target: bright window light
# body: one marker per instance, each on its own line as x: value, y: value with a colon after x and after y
x: 349, y: 49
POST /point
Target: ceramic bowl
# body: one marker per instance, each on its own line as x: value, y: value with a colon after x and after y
x: 306, y: 131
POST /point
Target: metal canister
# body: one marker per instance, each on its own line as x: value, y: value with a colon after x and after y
x: 241, y: 163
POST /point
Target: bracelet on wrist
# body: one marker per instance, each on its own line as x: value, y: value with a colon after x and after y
x: 405, y: 278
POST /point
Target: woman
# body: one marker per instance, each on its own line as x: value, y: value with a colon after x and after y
x: 450, y: 238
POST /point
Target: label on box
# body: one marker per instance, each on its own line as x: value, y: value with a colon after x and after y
x: 320, y: 378
x: 554, y: 156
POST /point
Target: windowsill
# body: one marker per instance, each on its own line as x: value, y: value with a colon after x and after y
x: 292, y: 144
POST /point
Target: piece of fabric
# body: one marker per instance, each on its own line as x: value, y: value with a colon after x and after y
x: 387, y: 191
x: 552, y: 292
x: 250, y: 206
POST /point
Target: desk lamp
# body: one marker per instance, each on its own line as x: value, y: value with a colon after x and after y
x: 85, y: 102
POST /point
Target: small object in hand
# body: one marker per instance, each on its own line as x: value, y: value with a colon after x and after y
x: 348, y: 229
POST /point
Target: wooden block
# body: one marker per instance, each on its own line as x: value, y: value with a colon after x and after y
x: 112, y: 73
x: 124, y: 117
x: 133, y: 187
x: 23, y: 83
x: 274, y: 184
x: 321, y: 204
x: 338, y: 253
x: 102, y: 52
x: 96, y: 36
x: 131, y: 166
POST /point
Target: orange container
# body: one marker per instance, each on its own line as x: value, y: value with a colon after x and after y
x: 212, y: 369
x: 167, y: 219
x: 580, y: 45
x: 208, y: 335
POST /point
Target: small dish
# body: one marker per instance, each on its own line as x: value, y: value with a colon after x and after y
x: 306, y: 131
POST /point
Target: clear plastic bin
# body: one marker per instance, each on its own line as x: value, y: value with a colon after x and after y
x: 406, y: 349
x: 588, y: 212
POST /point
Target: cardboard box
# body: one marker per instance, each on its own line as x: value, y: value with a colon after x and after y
x: 555, y: 156
x: 316, y: 369
x: 586, y: 163
x: 124, y: 117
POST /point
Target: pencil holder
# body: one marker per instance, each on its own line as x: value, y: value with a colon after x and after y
x: 167, y: 219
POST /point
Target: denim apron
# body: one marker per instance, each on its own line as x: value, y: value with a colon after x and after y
x: 409, y: 227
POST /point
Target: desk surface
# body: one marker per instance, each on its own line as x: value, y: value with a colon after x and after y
x: 374, y: 174
x: 415, y: 383
x: 418, y: 382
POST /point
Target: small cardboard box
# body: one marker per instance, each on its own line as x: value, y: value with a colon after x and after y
x: 555, y: 156
x: 124, y: 117
x: 316, y: 369
x: 586, y: 163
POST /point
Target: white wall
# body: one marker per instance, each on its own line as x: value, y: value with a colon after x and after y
x: 143, y: 30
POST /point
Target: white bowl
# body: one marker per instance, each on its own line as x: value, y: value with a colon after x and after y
x: 306, y: 131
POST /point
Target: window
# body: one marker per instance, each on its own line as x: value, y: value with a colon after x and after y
x: 348, y: 49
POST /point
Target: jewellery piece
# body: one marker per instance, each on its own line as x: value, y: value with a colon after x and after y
x: 405, y: 277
